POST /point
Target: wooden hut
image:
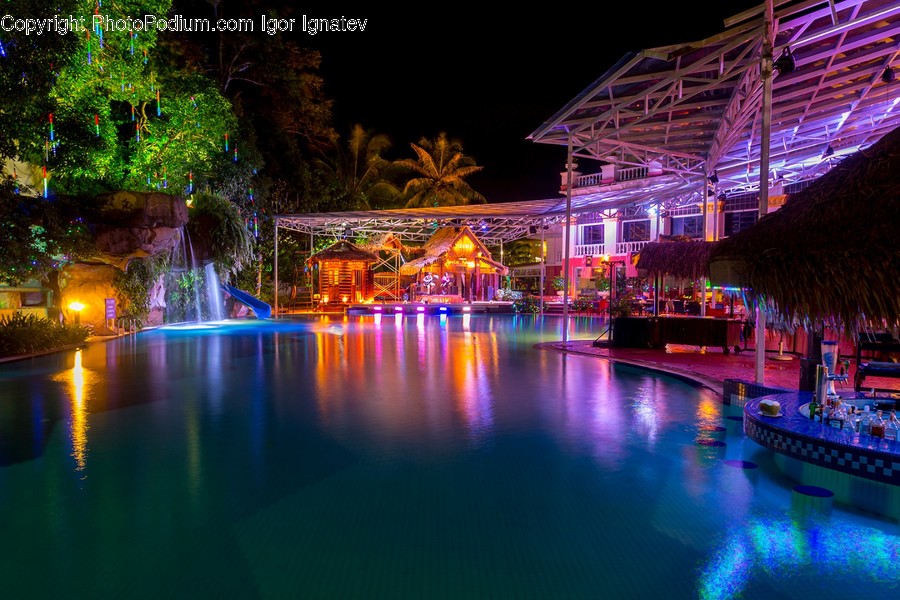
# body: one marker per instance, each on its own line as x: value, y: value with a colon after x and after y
x: 455, y: 266
x: 345, y: 273
x: 830, y: 253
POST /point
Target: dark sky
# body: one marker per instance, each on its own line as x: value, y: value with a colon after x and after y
x: 491, y: 81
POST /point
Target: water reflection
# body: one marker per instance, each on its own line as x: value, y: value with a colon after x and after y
x: 780, y: 549
x: 77, y: 379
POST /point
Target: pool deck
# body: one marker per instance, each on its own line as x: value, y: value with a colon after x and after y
x: 712, y: 367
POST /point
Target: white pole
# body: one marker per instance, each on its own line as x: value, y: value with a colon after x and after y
x: 275, y: 312
x: 543, y: 265
x: 566, y: 242
x: 766, y: 71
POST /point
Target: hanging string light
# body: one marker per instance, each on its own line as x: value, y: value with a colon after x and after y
x: 137, y: 131
x: 97, y: 124
x: 44, y: 169
x: 165, y: 177
x: 158, y: 105
x: 132, y: 35
x: 51, y: 127
x: 226, y: 142
x: 2, y: 49
x: 87, y: 33
x: 132, y: 113
x: 235, y: 154
x: 190, y: 182
x: 16, y: 179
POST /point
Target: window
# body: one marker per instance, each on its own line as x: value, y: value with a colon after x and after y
x: 636, y: 231
x: 689, y: 226
x: 592, y: 234
x: 738, y: 221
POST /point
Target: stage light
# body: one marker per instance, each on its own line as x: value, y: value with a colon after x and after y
x: 785, y: 63
x: 829, y: 151
x: 888, y: 75
x: 714, y: 178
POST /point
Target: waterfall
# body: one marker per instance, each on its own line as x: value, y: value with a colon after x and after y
x: 183, y: 295
x: 214, y: 293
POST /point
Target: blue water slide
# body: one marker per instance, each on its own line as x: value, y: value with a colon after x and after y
x: 260, y: 308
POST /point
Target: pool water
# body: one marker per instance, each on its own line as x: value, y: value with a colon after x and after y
x: 399, y: 457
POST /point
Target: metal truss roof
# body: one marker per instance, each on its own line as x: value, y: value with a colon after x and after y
x: 492, y: 223
x: 696, y: 108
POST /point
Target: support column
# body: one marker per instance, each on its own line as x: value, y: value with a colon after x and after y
x: 766, y: 72
x: 275, y: 310
x: 567, y: 242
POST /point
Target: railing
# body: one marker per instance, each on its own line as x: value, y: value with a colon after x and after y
x: 631, y: 173
x: 627, y: 174
x: 626, y: 247
x: 589, y: 249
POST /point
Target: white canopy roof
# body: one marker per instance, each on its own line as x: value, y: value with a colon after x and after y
x: 695, y: 109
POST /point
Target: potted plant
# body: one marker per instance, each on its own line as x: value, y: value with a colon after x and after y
x: 558, y: 284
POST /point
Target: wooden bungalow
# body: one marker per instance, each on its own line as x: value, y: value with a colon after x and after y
x: 455, y: 266
x: 345, y: 273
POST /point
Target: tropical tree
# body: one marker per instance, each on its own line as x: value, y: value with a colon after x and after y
x: 110, y: 111
x: 357, y: 171
x: 37, y: 236
x: 438, y: 174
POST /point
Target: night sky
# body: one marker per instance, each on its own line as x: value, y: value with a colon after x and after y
x: 491, y: 81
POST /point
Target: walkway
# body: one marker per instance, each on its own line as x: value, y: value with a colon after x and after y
x: 710, y: 368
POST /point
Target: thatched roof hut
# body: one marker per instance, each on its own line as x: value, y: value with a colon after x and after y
x: 457, y: 242
x: 676, y: 256
x: 831, y: 252
x: 342, y: 251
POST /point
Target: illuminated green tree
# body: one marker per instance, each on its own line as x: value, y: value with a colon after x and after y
x: 115, y: 112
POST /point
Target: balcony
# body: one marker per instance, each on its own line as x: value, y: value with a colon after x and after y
x: 589, y: 249
x: 611, y: 174
x: 626, y: 247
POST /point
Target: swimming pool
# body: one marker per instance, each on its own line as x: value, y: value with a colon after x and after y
x: 429, y: 457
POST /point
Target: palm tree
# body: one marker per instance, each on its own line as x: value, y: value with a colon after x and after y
x: 439, y: 174
x: 357, y: 171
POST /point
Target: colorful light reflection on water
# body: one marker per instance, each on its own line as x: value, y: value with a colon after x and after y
x: 406, y: 457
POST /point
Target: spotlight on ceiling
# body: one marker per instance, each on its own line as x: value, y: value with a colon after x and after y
x: 785, y: 63
x: 888, y: 75
x: 829, y: 151
x: 714, y: 178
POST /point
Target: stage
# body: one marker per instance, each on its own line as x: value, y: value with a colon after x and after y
x: 430, y: 307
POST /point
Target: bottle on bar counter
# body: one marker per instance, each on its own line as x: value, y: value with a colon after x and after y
x: 878, y: 426
x: 865, y: 420
x: 892, y: 427
x: 813, y: 405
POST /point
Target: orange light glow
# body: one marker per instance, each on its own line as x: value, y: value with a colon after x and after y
x: 463, y: 246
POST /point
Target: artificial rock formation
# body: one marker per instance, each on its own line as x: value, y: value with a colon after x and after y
x: 126, y: 225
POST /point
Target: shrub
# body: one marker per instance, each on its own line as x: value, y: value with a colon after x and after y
x: 528, y: 304
x: 20, y: 334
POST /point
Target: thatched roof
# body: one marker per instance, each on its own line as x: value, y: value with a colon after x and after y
x: 677, y: 256
x: 384, y: 241
x: 440, y: 243
x: 342, y: 250
x: 831, y: 252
